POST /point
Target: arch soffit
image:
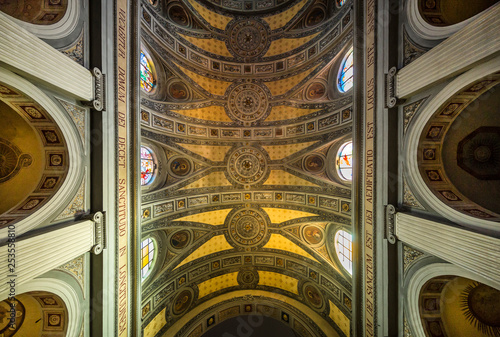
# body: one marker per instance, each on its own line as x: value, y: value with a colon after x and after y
x: 427, y: 31
x: 58, y: 30
x: 414, y: 177
x: 62, y: 289
x: 414, y: 284
x: 74, y: 148
x: 325, y: 326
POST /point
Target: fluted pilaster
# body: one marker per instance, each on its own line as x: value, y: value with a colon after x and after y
x: 472, y: 251
x: 477, y: 41
x: 37, y: 255
x: 26, y: 53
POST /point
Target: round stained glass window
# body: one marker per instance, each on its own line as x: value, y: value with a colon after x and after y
x: 346, y: 74
x: 147, y: 78
x: 344, y: 161
x: 147, y: 257
x: 343, y: 246
x: 147, y: 166
x: 340, y: 3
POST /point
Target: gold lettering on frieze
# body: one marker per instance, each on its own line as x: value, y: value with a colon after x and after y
x: 122, y: 160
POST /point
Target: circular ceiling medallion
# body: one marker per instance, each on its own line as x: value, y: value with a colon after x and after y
x: 483, y: 304
x: 180, y: 239
x: 180, y: 167
x: 314, y: 163
x: 178, y: 15
x: 315, y: 91
x: 247, y: 228
x: 178, y: 91
x: 479, y: 153
x: 313, y: 296
x: 248, y: 277
x: 11, y: 160
x: 248, y: 38
x: 315, y: 17
x: 182, y: 302
x: 247, y: 166
x: 248, y: 102
x: 313, y: 235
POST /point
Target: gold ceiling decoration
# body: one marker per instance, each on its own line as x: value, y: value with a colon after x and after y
x: 257, y: 123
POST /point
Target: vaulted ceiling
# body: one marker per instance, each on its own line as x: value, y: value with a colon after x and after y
x: 246, y: 121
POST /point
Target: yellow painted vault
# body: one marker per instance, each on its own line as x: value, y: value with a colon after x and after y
x: 248, y: 198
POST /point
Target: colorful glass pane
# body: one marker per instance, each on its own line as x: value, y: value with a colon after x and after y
x: 341, y: 2
x: 343, y: 245
x: 147, y: 257
x: 147, y: 166
x: 346, y: 75
x: 344, y: 161
x: 147, y: 79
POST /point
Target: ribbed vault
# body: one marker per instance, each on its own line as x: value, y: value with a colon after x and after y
x: 245, y: 121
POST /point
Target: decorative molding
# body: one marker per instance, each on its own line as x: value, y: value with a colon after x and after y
x: 229, y: 6
x: 75, y: 167
x: 474, y: 43
x: 58, y: 30
x: 390, y: 88
x: 171, y: 36
x: 427, y: 31
x: 52, y: 249
x: 410, y: 255
x: 390, y: 211
x: 475, y: 252
x: 75, y: 51
x: 411, y: 51
x: 413, y: 285
x: 325, y: 328
x: 409, y: 198
x: 68, y: 294
x: 78, y: 115
x: 51, y: 66
x: 406, y: 327
x: 76, y: 267
x: 99, y: 220
x: 409, y: 111
x: 76, y: 206
x: 412, y: 166
x: 99, y: 101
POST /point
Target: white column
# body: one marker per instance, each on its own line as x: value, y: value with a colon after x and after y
x: 39, y: 254
x: 475, y: 252
x: 477, y: 41
x: 26, y: 54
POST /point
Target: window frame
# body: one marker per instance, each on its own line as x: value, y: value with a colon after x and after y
x: 341, y: 71
x: 150, y: 62
x: 151, y: 263
x: 154, y: 161
x: 338, y: 168
x: 338, y: 253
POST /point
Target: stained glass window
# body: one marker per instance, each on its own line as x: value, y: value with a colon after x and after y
x: 341, y: 2
x: 147, y: 257
x: 343, y: 245
x: 147, y: 78
x: 346, y: 73
x: 344, y: 161
x: 147, y: 166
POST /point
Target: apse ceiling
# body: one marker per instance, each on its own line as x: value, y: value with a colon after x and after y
x: 245, y: 122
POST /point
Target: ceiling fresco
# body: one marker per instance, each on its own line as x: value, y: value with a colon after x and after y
x: 245, y: 122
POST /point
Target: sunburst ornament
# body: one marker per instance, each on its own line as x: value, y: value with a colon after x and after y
x: 480, y: 306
